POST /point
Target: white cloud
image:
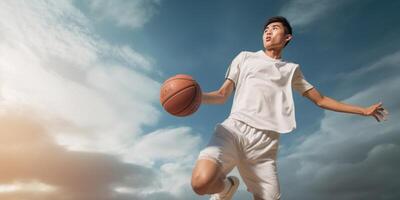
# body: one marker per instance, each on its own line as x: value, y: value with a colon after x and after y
x: 389, y: 63
x: 89, y: 95
x: 34, y: 186
x: 34, y: 167
x: 172, y: 151
x: 54, y: 65
x: 301, y: 13
x: 132, y: 14
x: 131, y: 57
x: 164, y: 144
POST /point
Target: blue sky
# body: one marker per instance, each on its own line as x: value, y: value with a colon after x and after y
x: 79, y: 83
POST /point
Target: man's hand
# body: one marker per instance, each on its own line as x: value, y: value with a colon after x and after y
x: 377, y: 111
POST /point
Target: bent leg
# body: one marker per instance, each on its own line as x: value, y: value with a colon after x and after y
x: 215, y: 161
x: 207, y: 177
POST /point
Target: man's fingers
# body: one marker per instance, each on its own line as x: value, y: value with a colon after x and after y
x: 381, y: 116
x: 385, y: 111
x: 377, y: 119
x: 379, y: 112
x: 382, y: 109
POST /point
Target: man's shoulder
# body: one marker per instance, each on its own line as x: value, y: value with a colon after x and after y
x: 293, y: 64
x: 290, y: 63
x: 244, y: 55
x: 248, y: 54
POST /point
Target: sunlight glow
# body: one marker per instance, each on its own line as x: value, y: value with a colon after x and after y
x: 26, y: 187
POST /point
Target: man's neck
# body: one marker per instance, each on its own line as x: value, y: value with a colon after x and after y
x: 273, y: 53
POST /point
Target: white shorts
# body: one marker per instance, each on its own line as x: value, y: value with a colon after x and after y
x: 253, y: 151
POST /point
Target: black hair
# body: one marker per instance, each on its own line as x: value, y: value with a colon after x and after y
x: 283, y: 21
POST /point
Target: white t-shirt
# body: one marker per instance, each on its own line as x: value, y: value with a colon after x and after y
x: 263, y: 91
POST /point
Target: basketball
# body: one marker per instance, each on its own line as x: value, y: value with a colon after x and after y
x: 180, y: 95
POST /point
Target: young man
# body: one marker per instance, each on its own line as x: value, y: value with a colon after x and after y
x: 262, y: 109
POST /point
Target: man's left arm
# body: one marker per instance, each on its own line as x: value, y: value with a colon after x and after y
x: 375, y: 110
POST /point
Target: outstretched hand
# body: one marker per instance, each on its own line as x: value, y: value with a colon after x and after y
x: 377, y: 111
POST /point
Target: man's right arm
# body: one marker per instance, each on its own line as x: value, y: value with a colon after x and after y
x: 219, y: 96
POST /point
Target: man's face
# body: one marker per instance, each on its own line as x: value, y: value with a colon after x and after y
x: 274, y: 36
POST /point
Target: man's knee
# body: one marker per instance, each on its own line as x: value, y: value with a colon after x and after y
x: 200, y: 184
x: 204, y: 175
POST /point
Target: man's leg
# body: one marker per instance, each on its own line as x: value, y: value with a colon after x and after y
x: 207, y: 177
x: 216, y: 161
x: 258, y: 169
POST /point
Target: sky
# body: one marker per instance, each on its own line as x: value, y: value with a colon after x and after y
x: 80, y: 117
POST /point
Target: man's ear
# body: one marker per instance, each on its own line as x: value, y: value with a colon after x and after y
x: 288, y: 37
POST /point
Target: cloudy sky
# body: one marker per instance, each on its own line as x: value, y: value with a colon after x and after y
x: 79, y: 82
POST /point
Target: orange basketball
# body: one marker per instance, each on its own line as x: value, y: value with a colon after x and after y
x: 180, y: 95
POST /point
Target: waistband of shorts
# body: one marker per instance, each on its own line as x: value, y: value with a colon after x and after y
x: 231, y: 120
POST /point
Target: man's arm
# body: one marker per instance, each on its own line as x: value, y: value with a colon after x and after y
x: 375, y: 110
x: 219, y: 96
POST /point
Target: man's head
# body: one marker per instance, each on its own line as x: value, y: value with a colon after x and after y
x: 277, y: 33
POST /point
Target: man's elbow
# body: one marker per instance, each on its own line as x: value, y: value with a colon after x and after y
x: 320, y: 102
x: 222, y: 100
x: 223, y: 97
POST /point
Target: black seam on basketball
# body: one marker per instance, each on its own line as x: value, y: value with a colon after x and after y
x: 183, y: 90
x: 195, y: 106
x: 193, y: 98
x: 191, y: 101
x: 178, y: 93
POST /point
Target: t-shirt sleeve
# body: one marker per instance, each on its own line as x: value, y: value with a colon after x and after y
x: 299, y: 83
x: 234, y: 69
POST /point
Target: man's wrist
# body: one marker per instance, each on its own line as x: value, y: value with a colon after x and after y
x: 362, y: 111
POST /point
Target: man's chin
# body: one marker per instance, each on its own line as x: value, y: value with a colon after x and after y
x: 268, y: 44
x: 268, y: 47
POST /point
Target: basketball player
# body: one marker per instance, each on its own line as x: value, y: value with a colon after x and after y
x: 262, y: 109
